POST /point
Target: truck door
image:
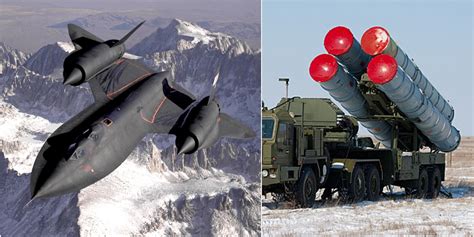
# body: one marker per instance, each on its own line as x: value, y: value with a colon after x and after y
x: 285, y: 141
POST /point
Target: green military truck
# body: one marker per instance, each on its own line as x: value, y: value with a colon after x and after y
x: 309, y: 144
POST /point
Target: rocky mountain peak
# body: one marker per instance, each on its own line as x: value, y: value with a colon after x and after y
x: 10, y: 59
x: 181, y: 35
x: 49, y: 58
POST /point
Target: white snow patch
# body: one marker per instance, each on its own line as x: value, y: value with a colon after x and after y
x: 68, y: 47
x: 21, y: 136
x: 199, y: 34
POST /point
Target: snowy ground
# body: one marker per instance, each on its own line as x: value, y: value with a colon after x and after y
x: 394, y: 215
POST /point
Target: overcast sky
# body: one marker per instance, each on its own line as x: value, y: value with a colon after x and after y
x: 437, y: 35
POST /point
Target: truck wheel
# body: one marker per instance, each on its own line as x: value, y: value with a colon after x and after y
x: 423, y: 183
x: 306, y: 188
x: 434, y: 183
x: 372, y: 183
x: 357, y: 186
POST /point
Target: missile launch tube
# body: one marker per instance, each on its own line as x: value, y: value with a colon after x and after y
x: 340, y: 42
x: 343, y: 88
x: 376, y: 40
x: 384, y: 71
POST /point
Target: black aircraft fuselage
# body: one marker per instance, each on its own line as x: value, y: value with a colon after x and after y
x: 131, y: 101
x: 95, y: 142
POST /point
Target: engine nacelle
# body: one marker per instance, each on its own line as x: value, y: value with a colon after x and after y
x: 84, y: 64
x: 197, y: 128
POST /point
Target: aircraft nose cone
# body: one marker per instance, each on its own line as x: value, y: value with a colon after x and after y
x: 185, y: 146
x: 73, y: 78
x: 65, y: 179
x: 52, y: 187
x: 44, y: 191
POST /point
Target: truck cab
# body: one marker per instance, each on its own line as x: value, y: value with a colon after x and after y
x: 278, y: 143
x: 297, y: 136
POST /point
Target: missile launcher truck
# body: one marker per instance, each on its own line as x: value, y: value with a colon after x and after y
x: 310, y: 143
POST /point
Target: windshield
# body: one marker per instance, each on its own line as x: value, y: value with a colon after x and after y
x: 267, y: 128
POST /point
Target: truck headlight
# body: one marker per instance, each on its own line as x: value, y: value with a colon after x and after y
x: 264, y: 173
x: 273, y: 173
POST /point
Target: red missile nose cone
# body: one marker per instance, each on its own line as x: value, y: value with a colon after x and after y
x: 323, y: 68
x: 338, y: 40
x: 375, y: 40
x: 382, y: 69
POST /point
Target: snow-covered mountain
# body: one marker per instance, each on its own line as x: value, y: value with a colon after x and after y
x: 214, y: 191
x: 10, y: 59
x: 49, y: 58
x: 44, y: 95
x: 181, y: 35
x: 114, y: 24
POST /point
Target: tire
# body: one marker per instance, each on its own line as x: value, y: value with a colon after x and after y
x: 434, y: 183
x: 372, y: 183
x: 357, y: 186
x: 423, y: 184
x: 306, y: 188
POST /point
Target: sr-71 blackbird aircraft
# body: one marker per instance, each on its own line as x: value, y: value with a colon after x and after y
x: 131, y: 100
